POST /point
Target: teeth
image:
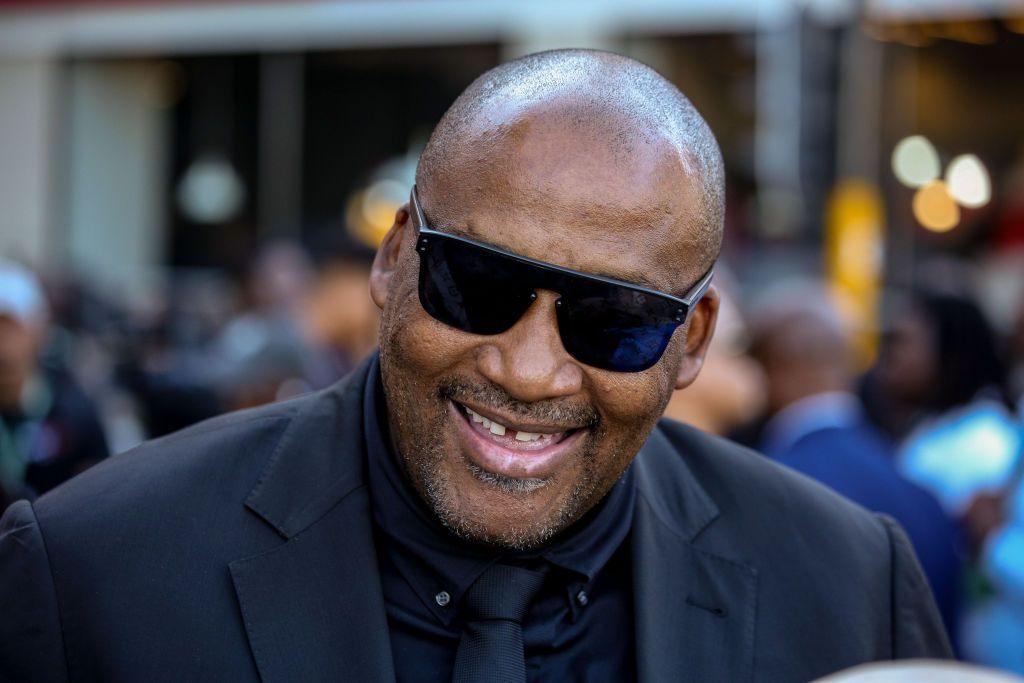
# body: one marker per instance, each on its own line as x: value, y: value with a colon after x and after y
x: 494, y: 427
x: 526, y: 436
x: 499, y: 429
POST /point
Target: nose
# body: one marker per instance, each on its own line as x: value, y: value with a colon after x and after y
x: 528, y: 360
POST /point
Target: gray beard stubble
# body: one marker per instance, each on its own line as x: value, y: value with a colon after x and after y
x: 421, y: 462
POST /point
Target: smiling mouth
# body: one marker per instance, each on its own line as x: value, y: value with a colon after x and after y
x: 517, y: 439
x: 514, y: 450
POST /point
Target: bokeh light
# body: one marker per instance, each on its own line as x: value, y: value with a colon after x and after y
x: 211, y: 190
x: 968, y: 181
x: 935, y: 208
x: 371, y: 211
x: 915, y: 161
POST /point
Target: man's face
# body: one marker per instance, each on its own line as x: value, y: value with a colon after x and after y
x: 544, y: 190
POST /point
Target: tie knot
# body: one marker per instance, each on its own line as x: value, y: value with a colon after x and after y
x: 502, y: 592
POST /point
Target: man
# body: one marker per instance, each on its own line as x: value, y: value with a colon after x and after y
x: 818, y: 427
x: 49, y: 430
x: 472, y: 506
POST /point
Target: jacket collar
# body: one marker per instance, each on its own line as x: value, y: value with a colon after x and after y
x: 314, y: 464
x: 694, y: 609
x: 313, y: 606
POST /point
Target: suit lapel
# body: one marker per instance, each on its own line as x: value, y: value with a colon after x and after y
x: 313, y: 606
x: 695, y: 610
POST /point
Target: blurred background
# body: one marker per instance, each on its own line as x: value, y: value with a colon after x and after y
x: 191, y: 193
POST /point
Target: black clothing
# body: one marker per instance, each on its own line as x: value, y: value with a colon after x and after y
x: 581, y: 623
x: 491, y: 647
x: 242, y: 549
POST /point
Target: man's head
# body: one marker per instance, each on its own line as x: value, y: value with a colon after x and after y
x: 802, y: 342
x: 589, y: 161
x: 23, y: 317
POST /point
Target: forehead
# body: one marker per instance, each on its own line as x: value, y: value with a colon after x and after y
x: 579, y: 196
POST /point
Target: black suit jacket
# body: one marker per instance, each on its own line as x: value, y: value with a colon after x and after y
x: 242, y: 549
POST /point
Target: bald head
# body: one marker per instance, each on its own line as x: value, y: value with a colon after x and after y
x: 802, y: 342
x: 597, y: 102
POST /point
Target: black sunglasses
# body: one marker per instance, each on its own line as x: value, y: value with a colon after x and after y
x: 605, y: 323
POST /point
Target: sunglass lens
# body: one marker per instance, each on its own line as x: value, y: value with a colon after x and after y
x: 469, y: 288
x: 623, y: 337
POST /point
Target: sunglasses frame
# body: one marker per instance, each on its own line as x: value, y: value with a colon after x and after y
x: 684, y: 304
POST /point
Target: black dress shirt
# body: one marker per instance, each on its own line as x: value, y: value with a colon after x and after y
x: 579, y: 629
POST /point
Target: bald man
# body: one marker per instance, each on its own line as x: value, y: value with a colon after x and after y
x: 818, y: 427
x: 491, y: 497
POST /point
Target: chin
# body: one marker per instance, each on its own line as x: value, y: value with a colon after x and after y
x: 513, y: 514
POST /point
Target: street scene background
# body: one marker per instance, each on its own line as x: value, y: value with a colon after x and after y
x: 191, y: 195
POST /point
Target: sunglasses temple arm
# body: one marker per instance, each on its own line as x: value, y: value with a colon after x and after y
x: 699, y: 290
x: 414, y: 201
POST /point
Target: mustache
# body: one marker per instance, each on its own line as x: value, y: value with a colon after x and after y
x: 487, y: 393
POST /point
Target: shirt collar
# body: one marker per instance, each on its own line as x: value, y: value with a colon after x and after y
x: 827, y: 410
x: 432, y: 559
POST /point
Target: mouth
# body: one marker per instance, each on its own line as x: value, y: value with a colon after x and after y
x: 513, y: 449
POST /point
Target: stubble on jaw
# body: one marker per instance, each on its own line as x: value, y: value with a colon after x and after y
x: 422, y: 462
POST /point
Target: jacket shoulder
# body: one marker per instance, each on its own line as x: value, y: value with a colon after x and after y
x: 757, y: 493
x: 198, y: 468
x: 820, y: 559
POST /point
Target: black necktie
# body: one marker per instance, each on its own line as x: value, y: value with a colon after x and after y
x: 491, y: 648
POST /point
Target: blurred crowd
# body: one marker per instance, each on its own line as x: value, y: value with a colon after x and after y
x: 84, y: 374
x: 929, y: 431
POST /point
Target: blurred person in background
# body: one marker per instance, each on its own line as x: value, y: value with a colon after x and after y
x: 817, y: 426
x: 49, y: 430
x: 164, y: 359
x: 263, y: 353
x: 993, y: 632
x: 730, y: 390
x: 311, y: 321
x: 940, y: 366
x: 338, y: 314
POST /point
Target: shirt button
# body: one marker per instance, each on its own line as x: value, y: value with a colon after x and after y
x: 443, y: 598
x: 582, y: 598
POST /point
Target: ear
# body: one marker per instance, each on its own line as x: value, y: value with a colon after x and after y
x: 386, y: 261
x: 698, y: 338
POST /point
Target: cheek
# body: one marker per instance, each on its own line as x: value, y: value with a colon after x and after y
x: 420, y: 344
x: 632, y: 400
x: 641, y: 396
x: 630, y: 404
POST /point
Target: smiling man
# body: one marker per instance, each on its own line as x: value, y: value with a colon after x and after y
x: 492, y: 497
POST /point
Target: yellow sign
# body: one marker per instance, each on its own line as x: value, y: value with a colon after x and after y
x: 854, y: 253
